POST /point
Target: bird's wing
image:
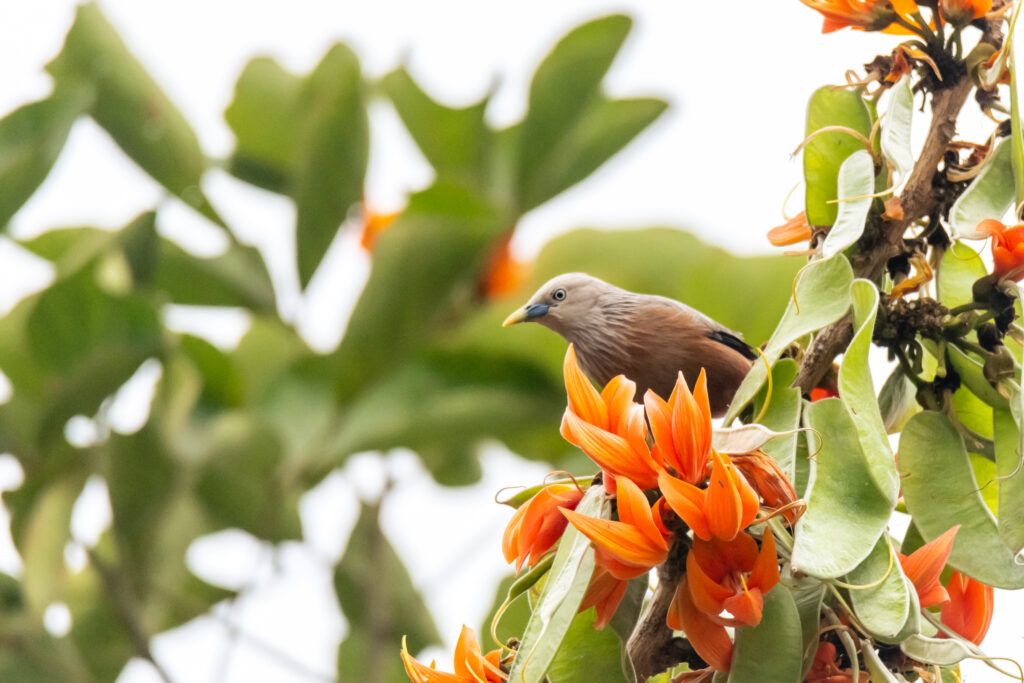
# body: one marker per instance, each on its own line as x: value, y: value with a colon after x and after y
x: 715, y: 330
x: 733, y: 342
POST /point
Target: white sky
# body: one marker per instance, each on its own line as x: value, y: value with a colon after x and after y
x: 737, y: 75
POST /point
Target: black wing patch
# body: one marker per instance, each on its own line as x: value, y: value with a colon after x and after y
x: 733, y: 342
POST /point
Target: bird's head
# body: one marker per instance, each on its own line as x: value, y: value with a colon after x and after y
x: 562, y: 302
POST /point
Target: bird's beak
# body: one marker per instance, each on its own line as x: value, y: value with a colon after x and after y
x: 525, y: 314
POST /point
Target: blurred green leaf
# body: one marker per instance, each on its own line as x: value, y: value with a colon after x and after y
x: 823, y: 294
x: 456, y: 141
x: 31, y: 138
x: 563, y: 592
x: 857, y: 391
x: 222, y: 382
x: 825, y: 154
x: 243, y: 481
x: 570, y: 128
x: 424, y: 275
x: 331, y: 156
x: 846, y: 513
x: 47, y: 531
x: 238, y: 277
x: 989, y: 195
x: 772, y: 650
x: 130, y: 106
x: 380, y: 604
x: 940, y: 492
x: 897, y: 401
x: 265, y: 120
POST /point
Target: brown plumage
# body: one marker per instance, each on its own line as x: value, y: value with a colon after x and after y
x: 647, y: 338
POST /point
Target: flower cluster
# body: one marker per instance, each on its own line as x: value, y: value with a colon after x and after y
x: 894, y: 16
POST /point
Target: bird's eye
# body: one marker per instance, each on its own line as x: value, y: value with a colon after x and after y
x: 559, y: 295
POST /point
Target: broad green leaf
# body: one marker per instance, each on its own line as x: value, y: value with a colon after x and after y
x: 875, y: 666
x: 130, y: 106
x: 856, y: 183
x: 381, y: 605
x: 846, y: 513
x: 563, y: 592
x: 31, y: 138
x: 222, y: 383
x: 896, y: 128
x: 985, y: 474
x: 974, y: 414
x: 989, y: 195
x: 42, y: 548
x: 782, y: 415
x: 238, y: 277
x: 513, y: 589
x: 958, y: 270
x: 266, y: 351
x: 456, y: 141
x: 98, y: 629
x: 823, y: 295
x: 881, y: 597
x: 332, y: 153
x: 773, y: 650
x: 808, y: 595
x: 71, y: 249
x: 587, y: 654
x: 897, y: 401
x: 243, y: 481
x: 1010, y: 474
x: 858, y: 391
x: 940, y: 492
x: 410, y: 298
x: 972, y: 374
x: 265, y: 120
x: 825, y: 154
x: 940, y: 651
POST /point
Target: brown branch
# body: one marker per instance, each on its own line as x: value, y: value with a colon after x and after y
x: 652, y: 647
x: 916, y: 201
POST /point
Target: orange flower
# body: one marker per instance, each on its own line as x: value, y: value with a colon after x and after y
x: 819, y: 393
x: 709, y: 639
x: 825, y: 669
x: 605, y: 593
x: 732, y: 576
x: 1007, y: 248
x: 792, y: 231
x: 505, y: 274
x: 924, y: 565
x: 537, y: 524
x: 373, y: 225
x: 969, y: 610
x: 962, y: 12
x: 634, y: 544
x: 768, y: 480
x: 682, y: 428
x: 862, y: 15
x: 471, y: 666
x: 609, y: 426
x: 721, y: 510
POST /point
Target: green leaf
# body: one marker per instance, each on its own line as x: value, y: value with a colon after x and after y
x: 1010, y: 474
x: 896, y: 128
x: 808, y: 595
x: 858, y: 391
x: 222, y: 383
x: 588, y: 654
x: 238, y: 277
x: 958, y: 270
x: 897, y: 401
x: 380, y: 604
x: 939, y: 651
x: 881, y: 597
x: 513, y: 620
x: 264, y: 118
x: 823, y: 294
x: 824, y: 155
x: 856, y: 183
x: 989, y: 195
x: 563, y: 592
x: 782, y: 415
x: 570, y: 128
x: 940, y: 492
x: 48, y: 530
x: 972, y: 374
x: 130, y: 106
x: 31, y: 138
x: 332, y: 153
x: 772, y: 651
x: 243, y: 481
x: 409, y: 298
x: 846, y: 513
x: 456, y: 141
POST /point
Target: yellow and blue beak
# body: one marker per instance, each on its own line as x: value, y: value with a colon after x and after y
x: 525, y: 314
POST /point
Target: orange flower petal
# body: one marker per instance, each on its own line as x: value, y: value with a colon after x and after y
x: 610, y: 451
x: 746, y: 606
x: 659, y: 415
x: 792, y: 231
x: 765, y: 573
x: 691, y: 428
x: 719, y: 557
x: 604, y: 593
x: 468, y: 658
x: 623, y: 541
x: 723, y: 505
x: 617, y: 396
x: 925, y: 564
x: 687, y: 501
x: 584, y: 400
x: 709, y: 639
x: 970, y: 606
x: 708, y: 595
x: 634, y: 510
x: 420, y: 673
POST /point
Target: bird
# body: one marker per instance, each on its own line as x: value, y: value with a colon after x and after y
x: 647, y: 338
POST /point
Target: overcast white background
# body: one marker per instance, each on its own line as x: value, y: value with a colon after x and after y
x: 737, y: 76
